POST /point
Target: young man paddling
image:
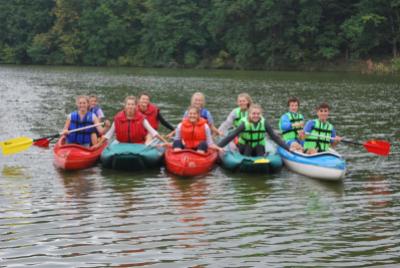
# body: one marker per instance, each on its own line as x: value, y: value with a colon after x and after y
x: 320, y: 134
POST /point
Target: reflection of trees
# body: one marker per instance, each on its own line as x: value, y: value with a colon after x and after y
x: 189, y: 197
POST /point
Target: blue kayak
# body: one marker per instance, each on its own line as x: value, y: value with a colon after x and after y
x: 269, y: 163
x: 131, y: 156
x: 326, y: 165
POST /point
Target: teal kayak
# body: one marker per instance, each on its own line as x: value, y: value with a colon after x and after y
x: 131, y: 156
x: 269, y: 163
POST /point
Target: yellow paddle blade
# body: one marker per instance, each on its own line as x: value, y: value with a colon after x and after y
x: 13, y: 146
x: 261, y: 161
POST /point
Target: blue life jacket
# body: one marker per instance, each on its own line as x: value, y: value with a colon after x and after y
x: 95, y: 109
x: 204, y: 113
x: 83, y: 136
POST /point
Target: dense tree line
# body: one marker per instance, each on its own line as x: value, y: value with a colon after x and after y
x: 197, y: 33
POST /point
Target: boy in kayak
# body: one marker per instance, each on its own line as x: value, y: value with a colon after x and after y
x: 193, y: 133
x: 81, y: 118
x: 291, y: 126
x: 244, y: 101
x: 130, y: 126
x: 320, y: 135
x: 95, y: 108
x: 152, y: 112
x: 251, y: 133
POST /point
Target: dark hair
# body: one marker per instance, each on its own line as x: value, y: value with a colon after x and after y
x: 323, y: 105
x: 144, y: 94
x: 293, y: 99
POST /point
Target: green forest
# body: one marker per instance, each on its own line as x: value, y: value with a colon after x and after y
x: 240, y: 34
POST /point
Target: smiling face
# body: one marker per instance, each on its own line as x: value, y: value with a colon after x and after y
x: 193, y: 115
x: 255, y: 115
x: 92, y: 102
x: 323, y: 114
x: 130, y: 107
x: 198, y: 101
x: 144, y: 101
x: 82, y: 104
x: 243, y: 103
x: 293, y: 107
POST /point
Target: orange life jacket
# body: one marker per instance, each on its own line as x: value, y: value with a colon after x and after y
x: 193, y: 134
x: 151, y: 115
x: 130, y: 130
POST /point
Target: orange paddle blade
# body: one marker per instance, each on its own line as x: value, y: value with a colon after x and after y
x: 379, y: 147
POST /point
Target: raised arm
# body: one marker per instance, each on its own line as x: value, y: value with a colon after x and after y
x: 275, y: 137
x: 164, y: 122
x: 228, y: 122
x: 231, y: 136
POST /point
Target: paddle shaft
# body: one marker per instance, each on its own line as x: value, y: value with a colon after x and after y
x: 71, y: 131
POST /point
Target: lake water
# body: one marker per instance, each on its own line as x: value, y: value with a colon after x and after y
x: 98, y: 218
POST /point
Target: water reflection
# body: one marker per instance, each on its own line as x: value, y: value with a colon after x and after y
x: 379, y: 190
x: 15, y: 172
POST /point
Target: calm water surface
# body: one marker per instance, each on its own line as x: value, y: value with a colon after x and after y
x: 98, y: 218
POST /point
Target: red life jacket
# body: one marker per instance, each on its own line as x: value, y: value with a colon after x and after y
x: 151, y: 115
x: 193, y: 134
x: 130, y: 130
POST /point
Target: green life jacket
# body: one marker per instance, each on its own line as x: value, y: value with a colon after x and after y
x: 322, y: 143
x: 239, y: 116
x: 291, y: 134
x: 253, y: 134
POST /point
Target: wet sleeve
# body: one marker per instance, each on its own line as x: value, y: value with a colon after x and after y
x: 178, y: 133
x: 209, y: 136
x: 275, y: 137
x: 228, y: 122
x: 231, y: 136
x: 285, y: 124
x: 149, y: 128
x: 110, y: 132
x: 164, y: 122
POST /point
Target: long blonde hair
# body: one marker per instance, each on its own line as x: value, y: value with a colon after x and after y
x: 247, y: 97
x: 198, y: 94
x: 253, y: 107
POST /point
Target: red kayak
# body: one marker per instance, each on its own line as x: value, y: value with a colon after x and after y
x: 75, y: 156
x: 189, y: 162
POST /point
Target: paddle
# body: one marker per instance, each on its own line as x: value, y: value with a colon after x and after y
x: 19, y: 144
x: 379, y: 147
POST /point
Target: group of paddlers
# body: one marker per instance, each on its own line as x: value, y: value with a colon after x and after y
x: 246, y: 126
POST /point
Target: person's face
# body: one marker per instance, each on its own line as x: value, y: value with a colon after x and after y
x: 323, y: 114
x: 242, y: 103
x: 293, y: 107
x: 193, y: 115
x: 198, y: 102
x: 130, y: 107
x: 82, y: 105
x: 144, y: 102
x: 255, y: 115
x: 92, y: 102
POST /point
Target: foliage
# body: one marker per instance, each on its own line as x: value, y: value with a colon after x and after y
x: 250, y: 34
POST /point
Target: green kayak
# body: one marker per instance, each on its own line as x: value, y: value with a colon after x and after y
x: 234, y: 161
x: 131, y: 156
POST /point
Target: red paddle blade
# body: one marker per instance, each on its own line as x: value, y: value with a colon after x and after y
x: 42, y: 143
x: 378, y: 147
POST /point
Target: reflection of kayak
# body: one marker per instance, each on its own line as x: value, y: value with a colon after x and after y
x: 235, y: 161
x: 327, y: 165
x: 131, y: 156
x: 189, y: 162
x: 75, y: 156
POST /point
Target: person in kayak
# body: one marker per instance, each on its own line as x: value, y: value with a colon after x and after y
x: 193, y: 133
x: 95, y: 108
x: 320, y: 135
x: 291, y: 126
x: 130, y: 126
x: 244, y: 101
x: 82, y: 117
x: 251, y: 133
x: 152, y: 112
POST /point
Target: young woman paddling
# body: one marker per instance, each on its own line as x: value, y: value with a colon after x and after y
x: 81, y: 118
x: 193, y: 133
x: 152, y: 112
x: 130, y: 126
x: 291, y: 126
x: 320, y: 134
x: 244, y: 101
x: 251, y: 133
